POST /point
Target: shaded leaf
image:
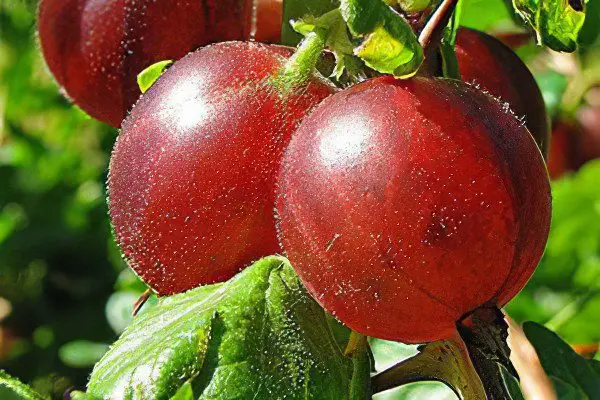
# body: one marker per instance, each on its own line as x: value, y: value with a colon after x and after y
x: 562, y: 364
x: 512, y: 384
x: 565, y: 391
x: 448, y: 48
x: 590, y: 32
x: 257, y: 336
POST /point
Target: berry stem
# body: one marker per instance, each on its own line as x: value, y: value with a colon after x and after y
x: 484, y: 333
x: 432, y: 33
x: 356, y: 343
x: 445, y: 361
x: 298, y: 69
x: 139, y: 303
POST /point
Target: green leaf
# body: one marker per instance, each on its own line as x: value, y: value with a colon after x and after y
x: 360, y: 384
x: 485, y: 15
x: 147, y: 77
x: 553, y: 86
x: 12, y: 388
x: 341, y: 333
x: 129, y: 281
x: 338, y: 41
x: 81, y: 353
x: 511, y: 383
x: 389, y: 45
x: 448, y: 48
x: 414, y: 5
x: 388, y: 353
x: 12, y: 216
x: 186, y: 392
x: 565, y: 391
x: 255, y: 335
x: 556, y: 22
x: 561, y: 363
x: 590, y: 32
x: 294, y: 10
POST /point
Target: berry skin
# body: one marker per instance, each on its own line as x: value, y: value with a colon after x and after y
x: 574, y: 142
x: 589, y: 139
x: 563, y: 152
x: 487, y: 62
x: 406, y: 204
x: 192, y: 175
x: 95, y: 49
x: 269, y: 18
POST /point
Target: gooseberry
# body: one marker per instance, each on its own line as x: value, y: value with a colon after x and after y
x: 404, y: 205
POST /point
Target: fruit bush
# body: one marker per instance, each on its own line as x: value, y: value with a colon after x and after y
x: 324, y: 199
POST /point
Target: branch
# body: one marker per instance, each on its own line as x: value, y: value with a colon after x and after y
x: 433, y: 32
x: 444, y: 361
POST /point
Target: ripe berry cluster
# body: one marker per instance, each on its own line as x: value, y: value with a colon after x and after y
x: 403, y: 205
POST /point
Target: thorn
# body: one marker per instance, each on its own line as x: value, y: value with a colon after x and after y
x: 139, y: 303
x: 332, y: 241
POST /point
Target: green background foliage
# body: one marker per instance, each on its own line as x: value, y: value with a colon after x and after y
x: 65, y: 293
x: 58, y: 262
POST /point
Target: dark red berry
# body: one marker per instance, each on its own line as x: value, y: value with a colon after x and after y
x: 95, y: 49
x: 192, y: 175
x: 406, y: 204
x: 490, y: 64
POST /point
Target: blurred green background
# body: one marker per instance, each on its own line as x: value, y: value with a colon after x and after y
x: 65, y: 293
x: 58, y: 262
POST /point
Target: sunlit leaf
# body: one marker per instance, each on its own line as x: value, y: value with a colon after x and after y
x: 389, y: 43
x: 148, y: 76
x: 485, y: 15
x: 256, y: 335
x: 557, y: 22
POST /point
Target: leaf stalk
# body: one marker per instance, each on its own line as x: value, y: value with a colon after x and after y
x: 432, y: 33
